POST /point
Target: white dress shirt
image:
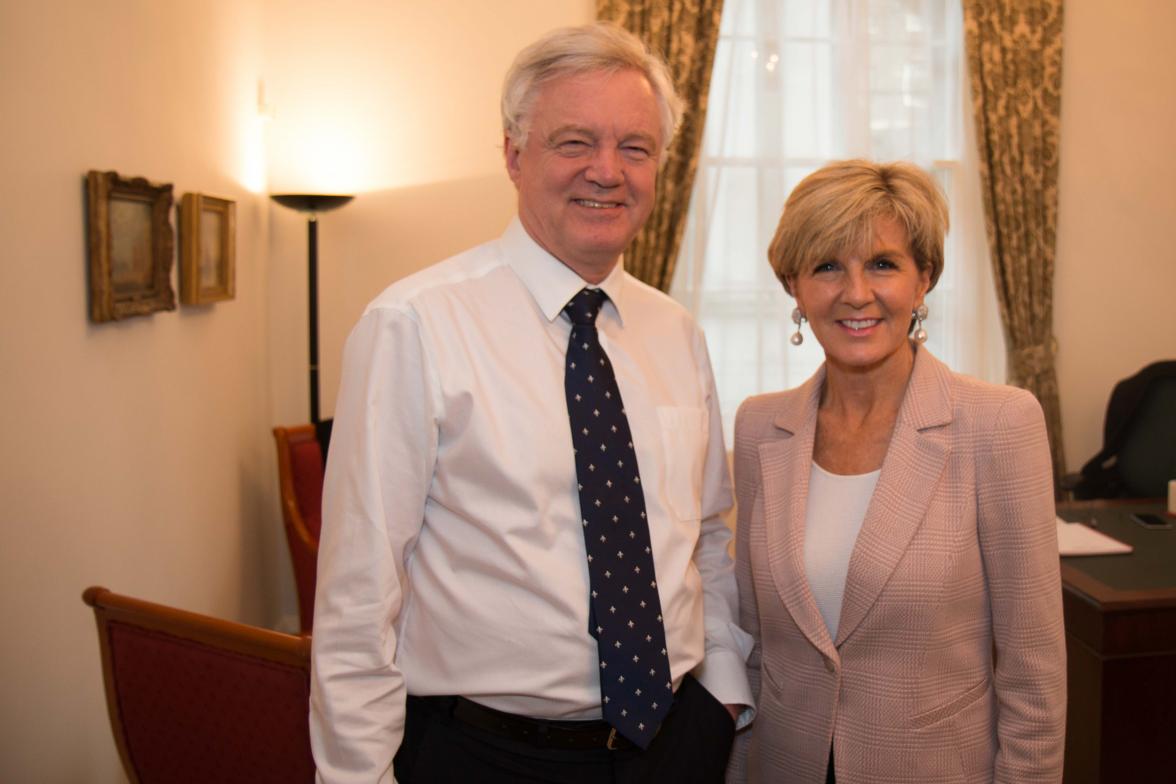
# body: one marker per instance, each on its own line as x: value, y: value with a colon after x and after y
x: 452, y: 556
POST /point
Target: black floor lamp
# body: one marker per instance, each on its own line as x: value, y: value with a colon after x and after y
x: 312, y: 205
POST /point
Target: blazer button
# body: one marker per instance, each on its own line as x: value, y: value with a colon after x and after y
x: 830, y: 666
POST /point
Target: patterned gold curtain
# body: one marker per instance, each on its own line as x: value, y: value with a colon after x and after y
x: 1015, y: 62
x: 684, y: 32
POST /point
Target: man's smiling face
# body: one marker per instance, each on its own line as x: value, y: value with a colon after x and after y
x: 587, y: 174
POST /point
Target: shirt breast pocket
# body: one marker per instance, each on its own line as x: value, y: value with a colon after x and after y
x: 683, y: 435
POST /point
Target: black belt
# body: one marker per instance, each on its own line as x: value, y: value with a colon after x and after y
x: 572, y: 735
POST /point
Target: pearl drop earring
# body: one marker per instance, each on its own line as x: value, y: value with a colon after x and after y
x: 797, y: 319
x: 920, y: 333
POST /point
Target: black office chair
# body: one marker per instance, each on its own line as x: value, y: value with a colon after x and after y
x: 1139, y: 440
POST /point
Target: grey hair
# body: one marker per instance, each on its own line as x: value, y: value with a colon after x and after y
x: 833, y: 211
x: 567, y: 51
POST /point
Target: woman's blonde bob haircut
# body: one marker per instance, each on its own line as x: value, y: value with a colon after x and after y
x: 571, y: 51
x: 832, y: 212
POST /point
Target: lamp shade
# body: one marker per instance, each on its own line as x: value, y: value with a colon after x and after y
x: 311, y: 202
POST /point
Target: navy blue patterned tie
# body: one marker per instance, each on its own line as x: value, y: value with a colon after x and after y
x: 625, y: 612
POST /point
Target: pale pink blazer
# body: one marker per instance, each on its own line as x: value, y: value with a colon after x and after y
x: 949, y: 663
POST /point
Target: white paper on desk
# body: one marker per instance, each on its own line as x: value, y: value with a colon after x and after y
x: 1079, y: 539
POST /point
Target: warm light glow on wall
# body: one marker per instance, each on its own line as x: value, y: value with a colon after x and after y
x: 327, y: 131
x: 321, y: 152
x: 371, y: 96
x: 253, y: 153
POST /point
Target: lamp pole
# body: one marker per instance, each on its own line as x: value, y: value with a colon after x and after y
x: 312, y: 205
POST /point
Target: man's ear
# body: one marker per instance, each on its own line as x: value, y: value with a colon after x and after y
x: 510, y: 154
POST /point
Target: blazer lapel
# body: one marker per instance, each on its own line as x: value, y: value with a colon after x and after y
x: 914, y: 462
x: 785, y: 463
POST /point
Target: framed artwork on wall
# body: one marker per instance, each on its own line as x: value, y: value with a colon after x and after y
x: 130, y: 244
x: 208, y: 249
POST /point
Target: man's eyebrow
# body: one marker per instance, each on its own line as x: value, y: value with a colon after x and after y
x: 649, y: 139
x: 571, y: 129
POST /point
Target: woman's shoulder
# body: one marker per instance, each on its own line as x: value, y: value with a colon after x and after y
x: 758, y: 413
x: 991, y: 405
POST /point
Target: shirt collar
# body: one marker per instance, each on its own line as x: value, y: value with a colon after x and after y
x: 551, y: 282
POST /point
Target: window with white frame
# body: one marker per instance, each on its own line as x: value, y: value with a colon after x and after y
x: 798, y: 83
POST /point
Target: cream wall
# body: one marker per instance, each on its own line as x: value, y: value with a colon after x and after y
x: 138, y: 454
x: 135, y: 453
x: 1116, y: 267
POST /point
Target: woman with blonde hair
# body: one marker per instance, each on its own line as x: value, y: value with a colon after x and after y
x: 897, y: 560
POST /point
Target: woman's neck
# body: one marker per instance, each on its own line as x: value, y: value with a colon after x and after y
x: 854, y: 394
x: 857, y: 412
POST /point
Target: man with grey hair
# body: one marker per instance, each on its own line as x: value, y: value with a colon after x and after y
x: 523, y: 573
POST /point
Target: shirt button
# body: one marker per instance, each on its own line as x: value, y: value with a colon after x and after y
x: 830, y: 666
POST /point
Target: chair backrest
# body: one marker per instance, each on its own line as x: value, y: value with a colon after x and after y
x: 300, y: 479
x: 1139, y: 438
x: 197, y: 699
x: 1148, y: 457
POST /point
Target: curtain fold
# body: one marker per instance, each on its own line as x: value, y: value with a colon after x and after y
x: 1014, y: 51
x: 684, y: 32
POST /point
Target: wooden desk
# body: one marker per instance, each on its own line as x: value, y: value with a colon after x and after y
x: 1120, y: 613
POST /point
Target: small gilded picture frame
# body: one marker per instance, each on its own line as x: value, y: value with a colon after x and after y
x: 208, y: 249
x: 130, y: 246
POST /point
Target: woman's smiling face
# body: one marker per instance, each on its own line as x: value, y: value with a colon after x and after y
x: 860, y: 303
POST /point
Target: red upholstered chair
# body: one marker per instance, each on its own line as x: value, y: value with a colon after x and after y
x: 197, y: 699
x: 300, y: 477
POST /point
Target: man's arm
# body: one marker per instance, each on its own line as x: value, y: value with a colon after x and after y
x: 382, y: 451
x: 724, y: 670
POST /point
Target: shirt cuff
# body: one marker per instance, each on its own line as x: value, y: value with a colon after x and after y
x: 724, y: 674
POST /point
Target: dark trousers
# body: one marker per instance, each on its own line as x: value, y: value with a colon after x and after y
x: 691, y: 747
